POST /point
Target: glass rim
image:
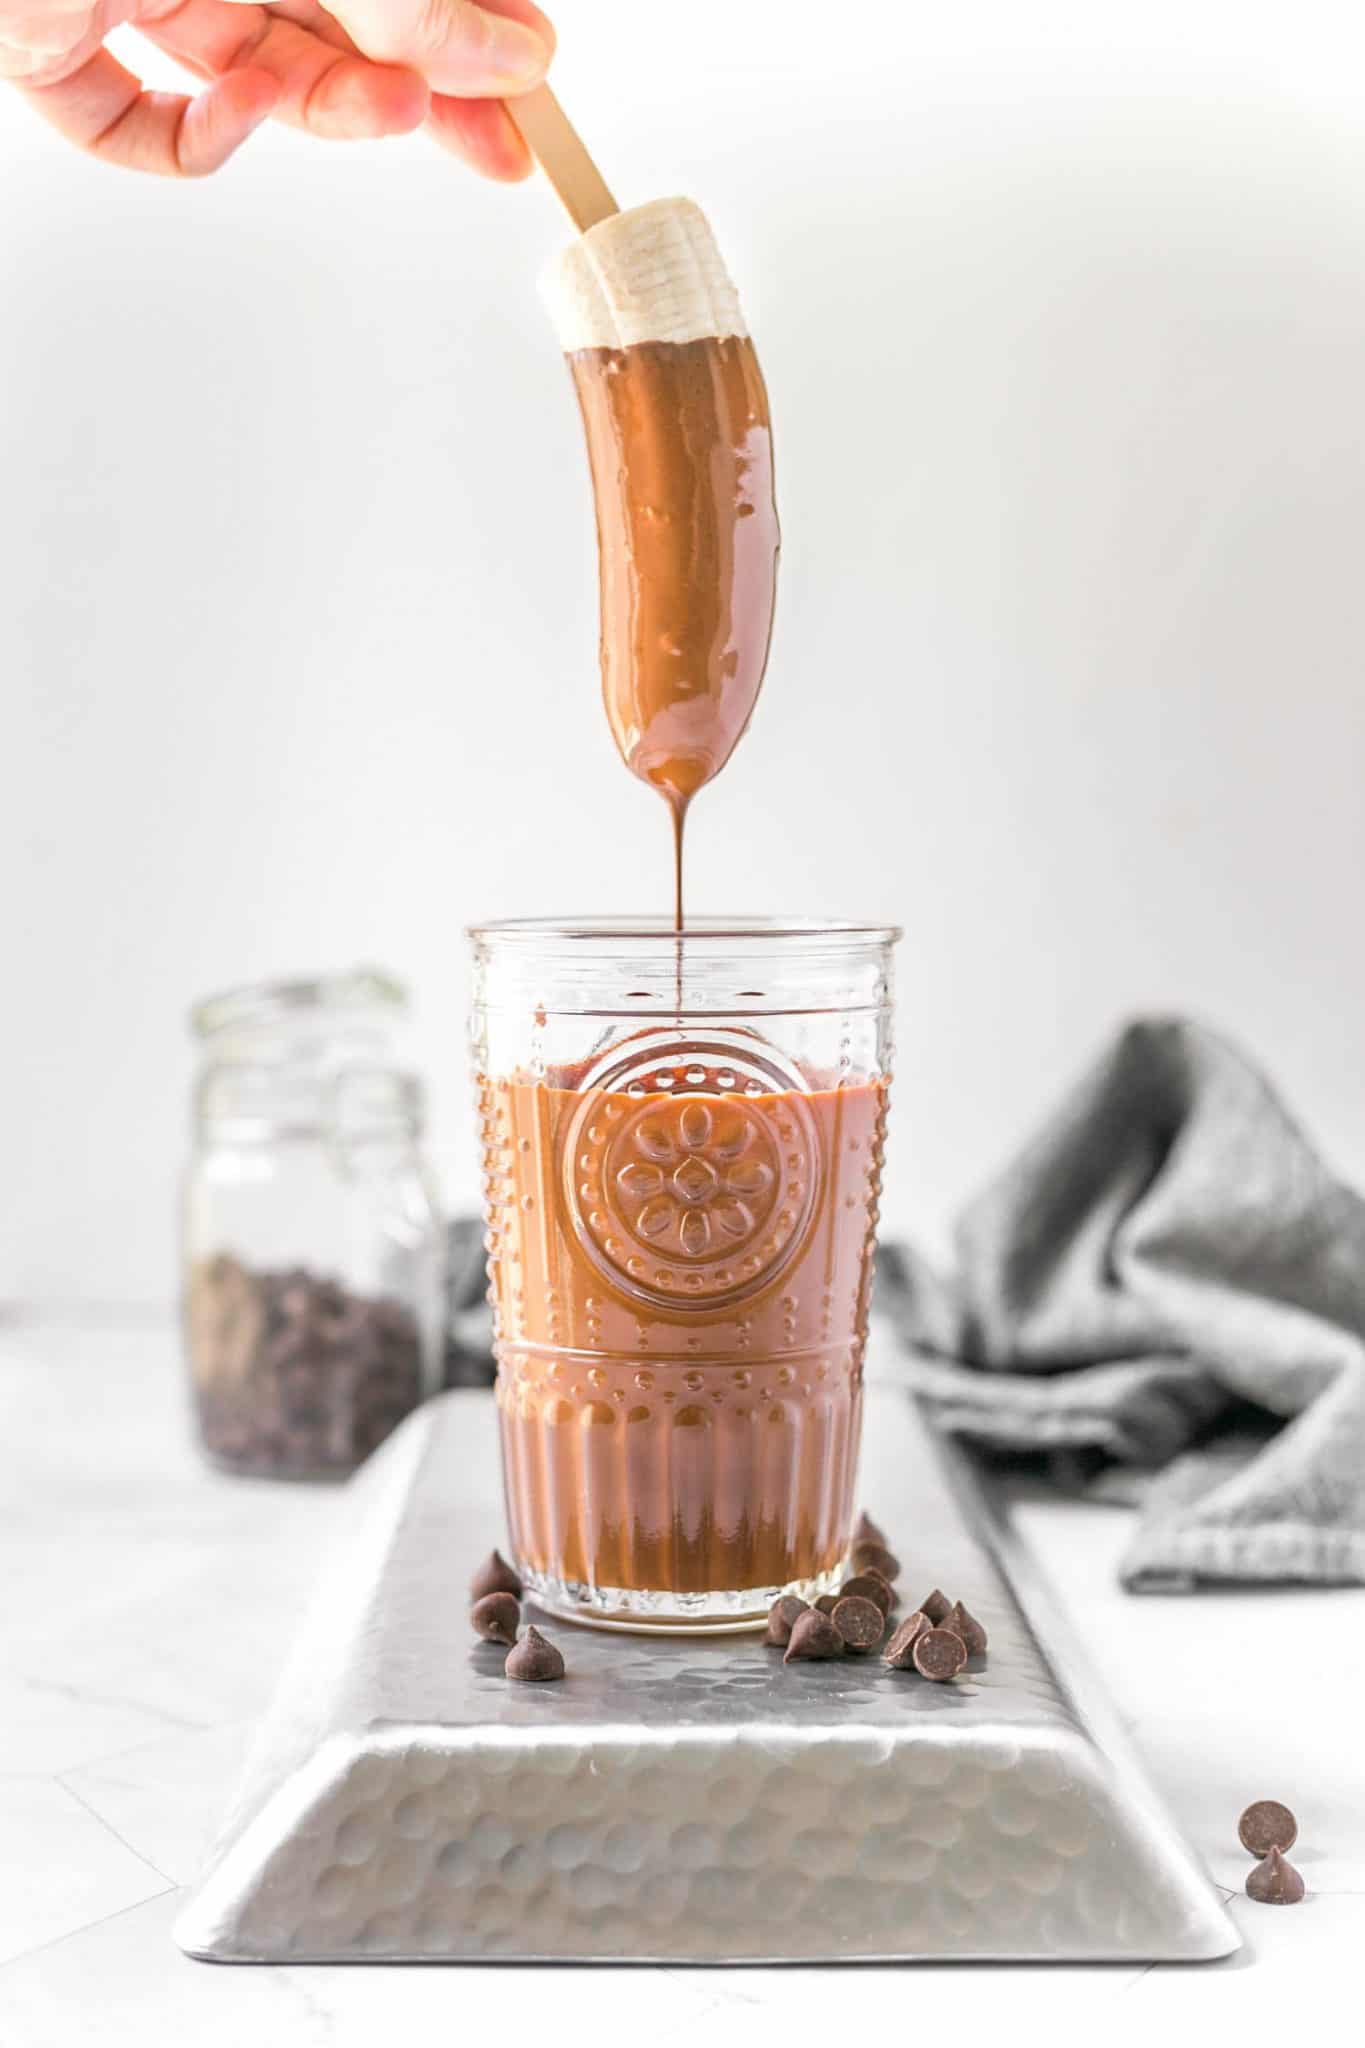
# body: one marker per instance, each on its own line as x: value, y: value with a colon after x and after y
x: 638, y: 930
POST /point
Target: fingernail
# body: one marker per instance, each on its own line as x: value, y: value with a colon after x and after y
x: 515, y: 54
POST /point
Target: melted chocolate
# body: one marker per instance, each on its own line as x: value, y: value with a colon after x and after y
x: 680, y: 1287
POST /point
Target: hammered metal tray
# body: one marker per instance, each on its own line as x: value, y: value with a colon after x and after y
x: 685, y: 1799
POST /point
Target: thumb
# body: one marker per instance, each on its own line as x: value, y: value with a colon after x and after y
x: 467, y: 51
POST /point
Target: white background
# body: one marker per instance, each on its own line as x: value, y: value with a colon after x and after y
x: 1062, y: 309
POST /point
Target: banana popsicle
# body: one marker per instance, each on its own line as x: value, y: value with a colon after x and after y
x: 680, y: 446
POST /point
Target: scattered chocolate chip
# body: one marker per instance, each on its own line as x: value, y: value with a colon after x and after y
x: 875, y: 1557
x: 782, y: 1617
x: 496, y: 1618
x: 898, y: 1651
x: 534, y: 1659
x: 860, y: 1622
x: 866, y: 1531
x: 495, y: 1575
x: 1275, y: 1882
x: 813, y: 1635
x: 968, y: 1627
x: 1267, y: 1825
x: 868, y: 1586
x: 938, y: 1653
x: 827, y: 1603
x: 937, y: 1606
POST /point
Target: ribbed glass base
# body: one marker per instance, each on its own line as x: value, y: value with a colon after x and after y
x: 636, y: 1611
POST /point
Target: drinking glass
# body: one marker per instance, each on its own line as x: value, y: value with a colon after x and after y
x: 682, y: 1141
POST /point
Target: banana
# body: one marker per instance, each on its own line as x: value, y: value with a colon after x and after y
x: 652, y: 273
x: 680, y: 445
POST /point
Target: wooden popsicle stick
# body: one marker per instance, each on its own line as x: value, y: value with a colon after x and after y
x: 557, y: 147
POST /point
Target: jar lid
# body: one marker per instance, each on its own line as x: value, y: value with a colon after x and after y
x: 267, y: 1002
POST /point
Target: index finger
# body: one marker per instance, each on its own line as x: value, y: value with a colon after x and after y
x: 103, y: 109
x: 324, y: 86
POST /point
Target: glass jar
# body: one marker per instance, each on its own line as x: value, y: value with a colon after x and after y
x: 682, y: 1141
x: 313, y: 1253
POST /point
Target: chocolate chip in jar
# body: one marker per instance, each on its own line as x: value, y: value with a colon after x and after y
x: 291, y: 1375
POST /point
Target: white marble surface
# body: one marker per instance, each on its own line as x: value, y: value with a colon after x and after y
x: 148, y: 1604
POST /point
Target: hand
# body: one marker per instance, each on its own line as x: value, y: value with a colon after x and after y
x: 362, y: 68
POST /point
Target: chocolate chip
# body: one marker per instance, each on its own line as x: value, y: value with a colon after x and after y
x: 495, y: 1575
x: 813, y: 1635
x: 782, y: 1616
x: 866, y: 1531
x: 868, y: 1586
x: 534, y: 1660
x: 860, y: 1622
x: 827, y: 1603
x: 898, y: 1651
x: 875, y: 1557
x: 968, y: 1627
x: 938, y: 1653
x: 1275, y: 1882
x: 496, y: 1618
x: 937, y: 1606
x: 1267, y: 1825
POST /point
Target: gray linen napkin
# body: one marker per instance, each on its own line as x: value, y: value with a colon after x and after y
x: 1164, y: 1295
